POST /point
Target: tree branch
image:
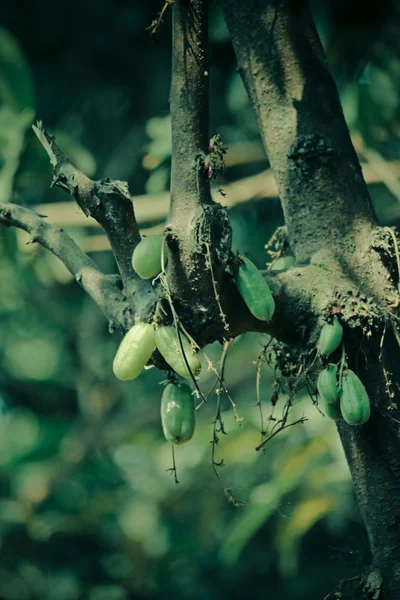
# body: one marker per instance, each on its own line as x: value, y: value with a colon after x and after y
x: 189, y: 107
x: 105, y: 290
x: 294, y: 304
x: 301, y: 122
x: 109, y: 203
x: 296, y: 297
x: 372, y: 454
x: 330, y: 222
x: 302, y: 125
x: 194, y: 218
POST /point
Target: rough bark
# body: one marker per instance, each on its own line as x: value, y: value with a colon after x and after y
x: 330, y: 221
x: 301, y: 121
x: 373, y: 455
x: 194, y: 218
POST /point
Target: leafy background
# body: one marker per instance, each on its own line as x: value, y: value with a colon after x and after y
x: 88, y: 509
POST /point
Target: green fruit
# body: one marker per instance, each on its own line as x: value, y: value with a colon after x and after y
x: 330, y: 337
x: 283, y: 264
x: 354, y: 400
x: 327, y: 384
x: 146, y: 258
x: 332, y: 410
x: 134, y: 351
x: 254, y: 290
x: 177, y: 413
x: 168, y: 344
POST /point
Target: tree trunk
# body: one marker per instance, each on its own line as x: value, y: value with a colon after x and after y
x: 330, y: 221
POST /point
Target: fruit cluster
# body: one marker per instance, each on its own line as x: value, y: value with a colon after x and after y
x: 138, y: 345
x: 342, y: 391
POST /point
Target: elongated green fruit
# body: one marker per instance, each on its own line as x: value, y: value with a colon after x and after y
x: 134, y: 351
x: 177, y: 413
x: 146, y: 258
x: 283, y: 264
x: 167, y: 342
x: 254, y: 290
x: 332, y: 410
x: 354, y: 400
x: 327, y: 384
x: 330, y: 337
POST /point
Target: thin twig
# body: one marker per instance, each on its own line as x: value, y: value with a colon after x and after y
x: 218, y: 427
x: 284, y: 426
x: 173, y: 469
x: 281, y: 424
x: 261, y: 359
x: 214, y: 370
x: 214, y: 283
x: 155, y: 25
x: 177, y: 326
x: 222, y: 371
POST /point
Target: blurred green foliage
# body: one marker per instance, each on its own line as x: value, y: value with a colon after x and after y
x: 88, y: 509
